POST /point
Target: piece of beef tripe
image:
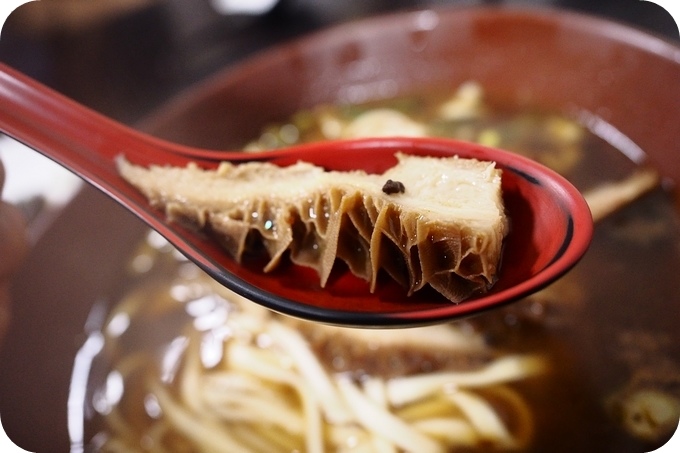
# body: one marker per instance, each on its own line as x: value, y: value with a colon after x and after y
x: 426, y: 221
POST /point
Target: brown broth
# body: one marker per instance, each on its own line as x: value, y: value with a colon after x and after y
x: 608, y: 326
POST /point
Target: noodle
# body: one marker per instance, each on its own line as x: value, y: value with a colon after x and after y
x: 204, y: 432
x: 506, y: 369
x: 375, y: 392
x: 296, y: 347
x: 482, y: 417
x: 270, y: 392
x: 387, y: 425
x: 244, y: 359
x: 608, y: 197
x: 249, y: 401
x: 525, y: 430
x: 453, y: 431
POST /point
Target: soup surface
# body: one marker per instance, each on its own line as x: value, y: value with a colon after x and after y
x: 178, y: 363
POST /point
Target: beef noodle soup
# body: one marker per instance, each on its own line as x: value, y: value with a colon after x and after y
x: 179, y: 363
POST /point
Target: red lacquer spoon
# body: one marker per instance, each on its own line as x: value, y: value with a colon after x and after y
x: 551, y: 223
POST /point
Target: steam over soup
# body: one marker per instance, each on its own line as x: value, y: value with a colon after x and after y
x: 186, y: 365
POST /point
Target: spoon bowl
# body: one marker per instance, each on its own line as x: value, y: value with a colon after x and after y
x: 551, y: 225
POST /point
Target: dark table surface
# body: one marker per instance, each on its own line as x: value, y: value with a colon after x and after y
x: 126, y: 63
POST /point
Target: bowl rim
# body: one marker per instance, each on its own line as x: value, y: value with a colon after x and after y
x: 617, y: 30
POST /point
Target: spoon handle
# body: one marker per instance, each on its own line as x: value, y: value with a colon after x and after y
x: 77, y: 137
x: 67, y: 131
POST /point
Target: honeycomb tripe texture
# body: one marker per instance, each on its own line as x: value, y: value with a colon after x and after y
x: 426, y: 221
